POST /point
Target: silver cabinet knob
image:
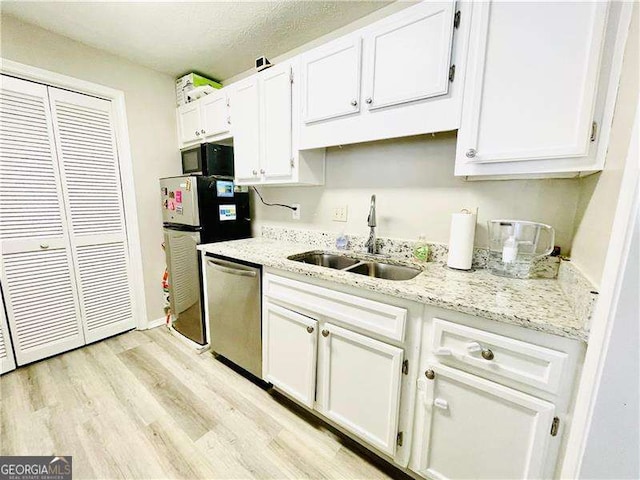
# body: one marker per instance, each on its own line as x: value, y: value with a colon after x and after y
x: 471, y: 153
x: 44, y: 246
x: 310, y: 329
x: 203, y: 132
x: 262, y: 171
x: 197, y: 133
x: 487, y: 354
x: 430, y: 374
x: 325, y: 333
x: 369, y: 100
x: 354, y: 103
x: 255, y: 172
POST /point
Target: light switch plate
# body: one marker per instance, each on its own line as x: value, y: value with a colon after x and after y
x: 340, y: 214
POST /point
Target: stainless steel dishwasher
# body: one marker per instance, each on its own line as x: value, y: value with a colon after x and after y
x: 235, y: 324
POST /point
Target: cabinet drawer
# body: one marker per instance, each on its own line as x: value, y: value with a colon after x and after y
x: 375, y: 317
x: 479, y: 351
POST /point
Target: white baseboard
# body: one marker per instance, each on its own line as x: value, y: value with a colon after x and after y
x: 158, y: 322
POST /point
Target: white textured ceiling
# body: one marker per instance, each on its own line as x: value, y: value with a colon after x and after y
x: 220, y: 39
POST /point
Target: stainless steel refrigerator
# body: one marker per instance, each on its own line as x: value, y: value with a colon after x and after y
x: 197, y: 209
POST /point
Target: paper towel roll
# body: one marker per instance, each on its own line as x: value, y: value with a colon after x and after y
x: 463, y: 232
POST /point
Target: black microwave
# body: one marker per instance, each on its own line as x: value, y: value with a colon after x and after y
x: 208, y: 159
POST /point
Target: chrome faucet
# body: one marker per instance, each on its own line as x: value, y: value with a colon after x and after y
x: 371, y: 222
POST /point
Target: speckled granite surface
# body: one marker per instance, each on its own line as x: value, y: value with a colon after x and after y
x: 539, y: 304
x: 543, y: 267
x: 580, y: 293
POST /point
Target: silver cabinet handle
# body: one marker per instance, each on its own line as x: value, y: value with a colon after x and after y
x: 44, y: 246
x: 232, y: 271
x: 310, y: 329
x: 430, y: 374
x: 325, y: 333
x: 229, y: 120
x: 197, y: 133
x: 255, y: 172
x: 487, y: 354
x: 262, y: 171
x: 369, y: 100
x: 471, y: 153
x: 354, y: 103
x: 203, y: 132
x: 441, y: 403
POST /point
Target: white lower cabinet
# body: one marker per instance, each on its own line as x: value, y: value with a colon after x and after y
x: 359, y: 385
x: 474, y: 428
x: 289, y: 357
x: 442, y: 394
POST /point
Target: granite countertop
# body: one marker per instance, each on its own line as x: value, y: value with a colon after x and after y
x: 538, y: 304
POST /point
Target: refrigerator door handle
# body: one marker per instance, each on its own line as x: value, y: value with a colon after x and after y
x: 232, y: 271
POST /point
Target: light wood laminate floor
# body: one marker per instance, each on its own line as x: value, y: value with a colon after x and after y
x: 145, y: 405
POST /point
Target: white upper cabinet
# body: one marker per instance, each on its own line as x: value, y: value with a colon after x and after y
x: 408, y: 56
x: 401, y: 83
x: 468, y: 427
x: 331, y: 78
x: 359, y: 385
x: 265, y: 117
x: 189, y: 124
x: 529, y: 105
x: 276, y: 110
x: 246, y: 128
x: 206, y: 119
x: 214, y: 112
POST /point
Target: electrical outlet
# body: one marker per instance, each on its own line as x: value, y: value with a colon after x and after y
x: 340, y: 214
x: 295, y: 214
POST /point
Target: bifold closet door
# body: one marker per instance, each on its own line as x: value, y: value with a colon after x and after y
x: 7, y: 362
x: 36, y: 266
x: 90, y: 173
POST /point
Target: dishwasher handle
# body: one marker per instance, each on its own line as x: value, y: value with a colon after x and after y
x: 231, y: 271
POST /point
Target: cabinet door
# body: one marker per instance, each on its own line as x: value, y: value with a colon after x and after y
x: 359, y: 385
x: 331, y: 80
x: 407, y: 58
x: 90, y: 173
x: 214, y: 112
x: 474, y: 428
x: 36, y: 270
x: 245, y: 115
x: 527, y: 99
x: 289, y: 354
x: 276, y: 110
x: 7, y: 362
x: 189, y: 124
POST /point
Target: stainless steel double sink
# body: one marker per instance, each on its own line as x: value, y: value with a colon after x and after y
x: 369, y: 267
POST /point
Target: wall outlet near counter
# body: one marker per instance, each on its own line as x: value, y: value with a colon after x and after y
x: 295, y: 214
x: 340, y: 214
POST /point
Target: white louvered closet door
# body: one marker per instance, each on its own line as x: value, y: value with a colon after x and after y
x: 85, y: 140
x: 7, y: 362
x: 36, y: 266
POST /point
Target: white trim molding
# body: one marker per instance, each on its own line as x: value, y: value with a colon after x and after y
x: 34, y: 74
x: 606, y: 308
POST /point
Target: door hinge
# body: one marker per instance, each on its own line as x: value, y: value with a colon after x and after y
x: 399, y: 438
x: 456, y: 19
x: 554, y: 426
x: 452, y: 72
x: 291, y: 76
x: 405, y: 367
x: 292, y: 162
x: 594, y: 131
